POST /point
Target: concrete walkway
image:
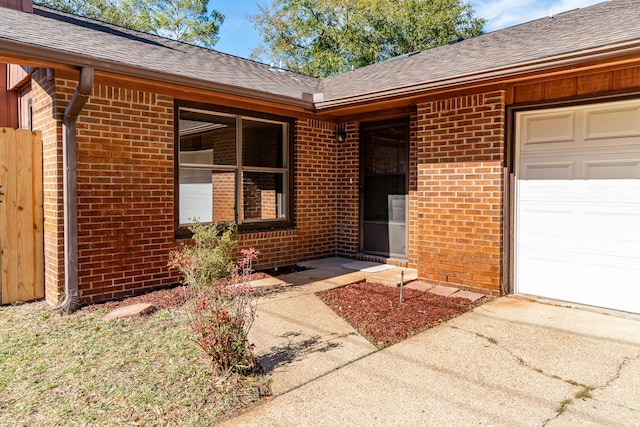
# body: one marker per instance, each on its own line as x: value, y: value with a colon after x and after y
x: 510, y: 362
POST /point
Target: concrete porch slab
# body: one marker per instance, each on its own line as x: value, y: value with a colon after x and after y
x: 368, y: 266
x: 299, y: 339
x: 325, y: 262
x: 269, y: 281
x: 393, y: 277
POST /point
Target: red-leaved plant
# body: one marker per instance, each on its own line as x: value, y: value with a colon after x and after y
x: 221, y: 313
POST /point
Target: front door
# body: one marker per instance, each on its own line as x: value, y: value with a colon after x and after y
x: 384, y: 159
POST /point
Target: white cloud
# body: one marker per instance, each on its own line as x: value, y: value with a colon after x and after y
x: 506, y: 13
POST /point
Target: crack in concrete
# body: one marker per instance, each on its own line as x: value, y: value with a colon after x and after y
x: 585, y: 389
x: 584, y: 393
x: 626, y: 361
x: 559, y: 411
x: 520, y: 360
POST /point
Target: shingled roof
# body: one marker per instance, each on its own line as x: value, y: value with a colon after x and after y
x: 55, y: 36
x: 605, y: 29
x: 543, y: 43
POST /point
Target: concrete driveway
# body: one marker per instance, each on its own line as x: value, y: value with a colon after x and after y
x: 510, y: 362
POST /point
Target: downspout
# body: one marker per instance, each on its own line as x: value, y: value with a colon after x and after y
x: 70, y: 189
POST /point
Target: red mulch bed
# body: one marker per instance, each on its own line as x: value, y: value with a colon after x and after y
x: 376, y: 312
x: 161, y: 299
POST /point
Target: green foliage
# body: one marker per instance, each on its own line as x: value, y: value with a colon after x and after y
x: 183, y: 20
x: 222, y: 303
x: 325, y: 37
x: 213, y: 248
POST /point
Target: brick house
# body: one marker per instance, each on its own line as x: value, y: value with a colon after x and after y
x: 506, y: 163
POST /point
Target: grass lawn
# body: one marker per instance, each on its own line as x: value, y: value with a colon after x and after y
x: 79, y: 370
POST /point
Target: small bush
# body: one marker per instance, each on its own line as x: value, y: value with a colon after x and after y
x: 221, y: 300
x: 213, y: 246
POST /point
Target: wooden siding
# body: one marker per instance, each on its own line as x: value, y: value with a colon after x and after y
x: 581, y: 85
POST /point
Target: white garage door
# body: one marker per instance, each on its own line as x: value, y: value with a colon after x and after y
x: 578, y: 204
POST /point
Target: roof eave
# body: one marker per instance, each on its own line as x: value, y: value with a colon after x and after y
x: 595, y: 54
x: 35, y: 53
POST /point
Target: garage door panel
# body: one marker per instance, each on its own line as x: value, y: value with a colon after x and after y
x: 546, y: 272
x: 581, y: 279
x: 607, y: 237
x: 601, y: 285
x: 611, y: 169
x: 578, y: 207
x: 608, y: 122
x: 625, y: 193
x: 546, y: 225
x: 547, y: 192
x: 548, y: 170
x: 548, y: 128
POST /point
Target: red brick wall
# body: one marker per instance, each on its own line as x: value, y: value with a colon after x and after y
x: 456, y: 207
x: 47, y: 113
x: 126, y: 179
x: 125, y: 188
x: 348, y: 194
x: 125, y: 154
x: 412, y: 252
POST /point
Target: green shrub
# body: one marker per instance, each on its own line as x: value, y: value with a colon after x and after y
x: 213, y: 248
x: 221, y: 300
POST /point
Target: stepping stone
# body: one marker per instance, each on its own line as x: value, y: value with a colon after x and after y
x: 419, y: 286
x: 134, y: 310
x: 445, y: 291
x: 473, y: 296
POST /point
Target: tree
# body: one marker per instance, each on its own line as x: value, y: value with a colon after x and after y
x: 183, y: 20
x: 325, y: 37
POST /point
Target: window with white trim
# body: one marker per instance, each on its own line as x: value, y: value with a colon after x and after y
x: 233, y: 167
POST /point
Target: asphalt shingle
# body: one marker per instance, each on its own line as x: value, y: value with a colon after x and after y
x: 600, y: 25
x: 84, y: 42
x: 96, y: 41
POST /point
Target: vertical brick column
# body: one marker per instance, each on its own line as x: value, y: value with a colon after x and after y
x: 348, y: 193
x: 456, y: 214
x: 48, y: 108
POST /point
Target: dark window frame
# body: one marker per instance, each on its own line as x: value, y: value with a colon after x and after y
x: 262, y: 225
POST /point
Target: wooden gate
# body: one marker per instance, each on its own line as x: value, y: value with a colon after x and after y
x: 21, y: 216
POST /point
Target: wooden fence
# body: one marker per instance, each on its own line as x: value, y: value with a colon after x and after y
x: 21, y: 216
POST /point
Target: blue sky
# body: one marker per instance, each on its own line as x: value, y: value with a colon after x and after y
x: 238, y: 37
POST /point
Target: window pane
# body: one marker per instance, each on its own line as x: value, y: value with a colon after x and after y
x: 386, y: 149
x: 263, y: 196
x: 207, y: 195
x: 262, y: 144
x: 210, y: 133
